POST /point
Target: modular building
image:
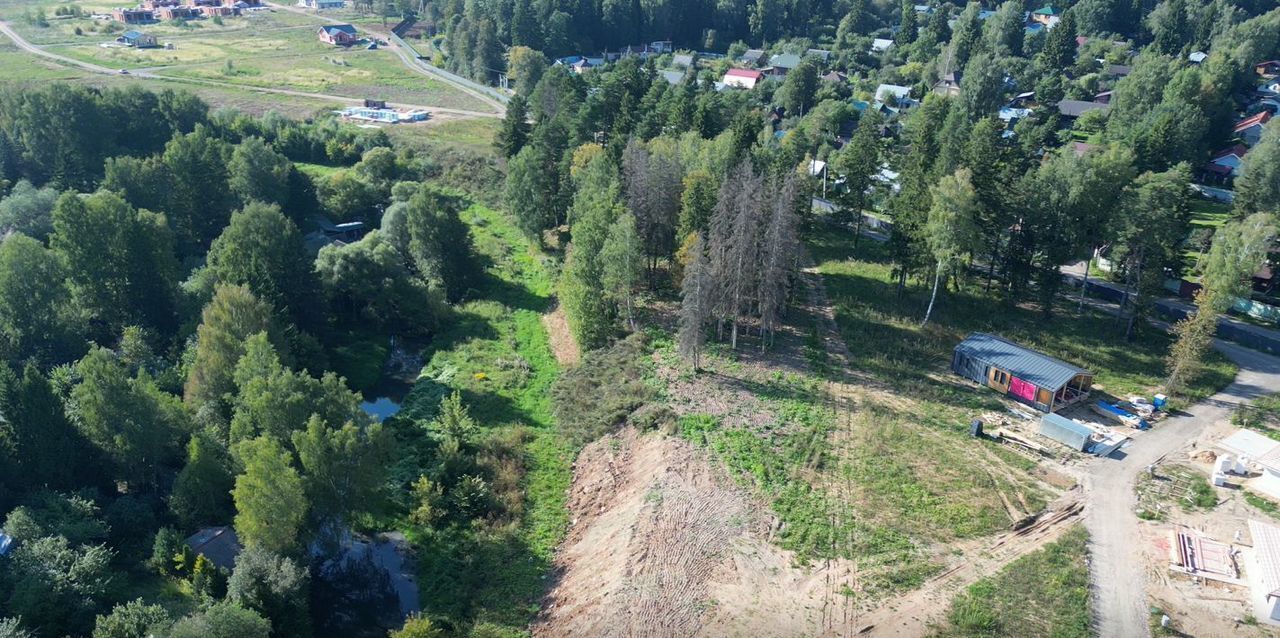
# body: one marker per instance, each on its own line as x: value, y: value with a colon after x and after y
x: 1079, y: 436
x: 1034, y: 378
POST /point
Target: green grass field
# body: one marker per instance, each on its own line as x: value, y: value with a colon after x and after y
x: 272, y: 49
x: 1043, y: 594
x: 884, y: 334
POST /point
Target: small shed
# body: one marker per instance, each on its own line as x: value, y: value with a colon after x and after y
x: 218, y: 544
x: 1070, y: 433
x: 1031, y: 377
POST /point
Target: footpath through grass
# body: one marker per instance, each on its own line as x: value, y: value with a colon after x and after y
x: 497, y: 355
x: 1045, y: 593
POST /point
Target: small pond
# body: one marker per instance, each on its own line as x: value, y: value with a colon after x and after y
x: 380, y: 408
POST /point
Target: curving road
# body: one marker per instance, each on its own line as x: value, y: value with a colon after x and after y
x: 145, y: 74
x: 1117, y: 575
x: 411, y: 60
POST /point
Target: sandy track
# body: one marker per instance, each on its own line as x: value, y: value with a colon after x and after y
x: 663, y: 544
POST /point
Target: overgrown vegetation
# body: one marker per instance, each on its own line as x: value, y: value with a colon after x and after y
x: 1045, y: 593
x: 603, y: 390
x: 1262, y: 415
x: 488, y: 574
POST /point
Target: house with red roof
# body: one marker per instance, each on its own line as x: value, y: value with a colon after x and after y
x: 1226, y: 162
x: 742, y: 78
x: 1250, y: 128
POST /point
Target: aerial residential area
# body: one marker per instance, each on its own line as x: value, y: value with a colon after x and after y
x: 543, y: 318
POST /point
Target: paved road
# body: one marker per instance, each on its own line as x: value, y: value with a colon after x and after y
x: 1116, y: 571
x: 147, y: 74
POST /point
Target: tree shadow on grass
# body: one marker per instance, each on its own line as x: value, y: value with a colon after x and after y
x: 492, y: 576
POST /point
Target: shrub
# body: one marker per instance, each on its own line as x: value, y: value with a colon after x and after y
x: 606, y: 387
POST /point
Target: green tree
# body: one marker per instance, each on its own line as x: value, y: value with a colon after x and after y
x: 595, y: 207
x: 276, y: 401
x: 270, y: 501
x: 199, y: 199
x: 966, y: 37
x: 202, y: 491
x: 41, y: 437
x: 230, y: 318
x: 1238, y: 249
x: 799, y: 87
x: 119, y: 262
x: 130, y: 420
x: 532, y: 189
x: 525, y: 67
x: 697, y: 201
x: 56, y: 586
x: 262, y: 250
x: 952, y: 230
x: 344, y: 468
x: 858, y: 163
x: 1169, y: 26
x: 134, y: 619
x: 35, y: 307
x: 368, y: 283
x: 222, y: 620
x: 257, y: 173
x: 1154, y: 224
x: 418, y: 626
x: 514, y: 132
x: 623, y: 265
x: 907, y: 25
x: 1060, y: 46
x: 434, y: 242
x: 28, y: 210
x: 1258, y: 187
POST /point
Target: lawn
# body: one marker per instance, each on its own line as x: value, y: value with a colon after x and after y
x: 62, y: 30
x: 1045, y: 593
x: 883, y: 332
x: 17, y: 65
x: 266, y: 49
x: 496, y: 354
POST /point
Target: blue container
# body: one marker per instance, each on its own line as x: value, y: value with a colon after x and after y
x: 1158, y: 401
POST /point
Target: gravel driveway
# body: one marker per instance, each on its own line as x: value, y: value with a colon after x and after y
x: 1116, y: 571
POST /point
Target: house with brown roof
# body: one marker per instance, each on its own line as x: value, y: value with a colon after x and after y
x: 1267, y: 69
x: 1250, y: 128
x: 178, y: 13
x: 133, y: 16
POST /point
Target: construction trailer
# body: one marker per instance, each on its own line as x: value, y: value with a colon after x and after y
x: 1080, y: 437
x: 1036, y: 379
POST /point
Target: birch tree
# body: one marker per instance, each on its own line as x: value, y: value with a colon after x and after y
x: 951, y: 232
x: 1238, y: 249
x: 621, y: 260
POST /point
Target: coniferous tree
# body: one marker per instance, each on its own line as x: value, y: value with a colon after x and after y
x: 515, y: 127
x: 779, y: 249
x: 696, y: 302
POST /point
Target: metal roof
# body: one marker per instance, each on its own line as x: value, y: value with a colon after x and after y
x: 1266, y: 549
x: 1040, y: 369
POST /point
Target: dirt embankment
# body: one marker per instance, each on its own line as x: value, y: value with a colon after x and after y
x: 664, y: 544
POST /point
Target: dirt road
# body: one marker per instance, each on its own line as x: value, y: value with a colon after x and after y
x: 1116, y: 574
x: 410, y: 60
x: 145, y: 74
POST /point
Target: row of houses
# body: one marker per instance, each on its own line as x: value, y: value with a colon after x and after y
x: 583, y: 63
x: 1224, y: 165
x: 157, y: 10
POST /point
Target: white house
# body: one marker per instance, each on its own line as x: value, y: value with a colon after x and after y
x: 895, y: 94
x: 879, y: 45
x: 742, y: 78
x: 1230, y: 158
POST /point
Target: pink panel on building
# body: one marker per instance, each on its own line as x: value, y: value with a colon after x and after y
x: 1022, y: 389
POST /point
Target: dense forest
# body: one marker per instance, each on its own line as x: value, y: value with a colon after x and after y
x: 183, y: 345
